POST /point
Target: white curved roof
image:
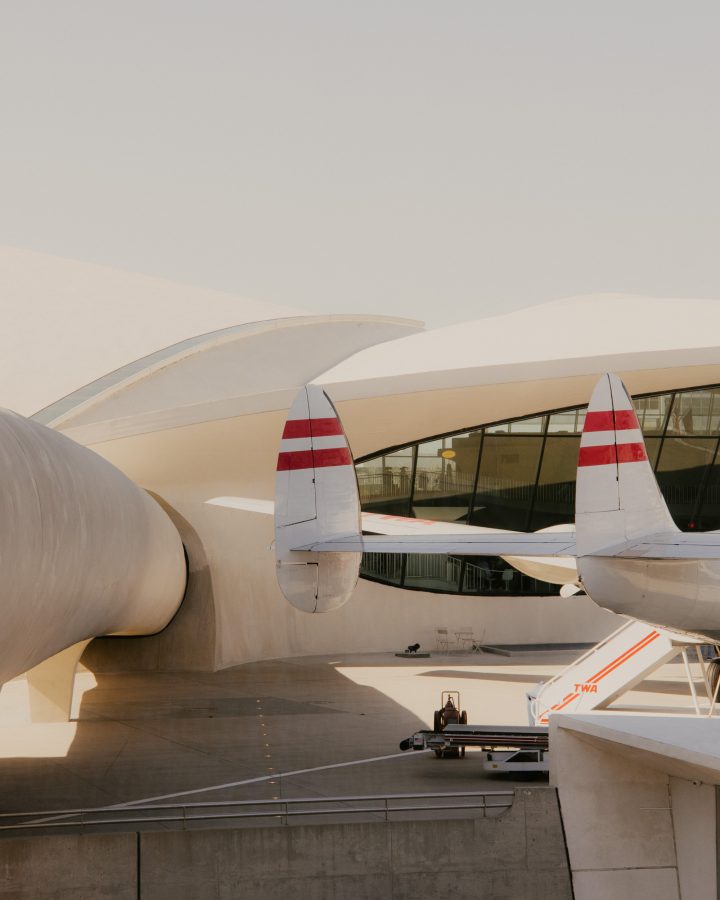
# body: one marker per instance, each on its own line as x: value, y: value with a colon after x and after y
x: 67, y: 323
x: 238, y: 371
x: 550, y: 334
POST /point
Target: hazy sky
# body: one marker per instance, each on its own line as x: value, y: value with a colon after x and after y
x: 435, y: 160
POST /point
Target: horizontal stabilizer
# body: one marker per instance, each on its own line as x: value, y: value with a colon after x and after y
x: 675, y: 545
x: 472, y: 544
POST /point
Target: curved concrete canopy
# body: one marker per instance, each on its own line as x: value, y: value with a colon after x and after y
x: 237, y: 371
x: 543, y: 357
x: 67, y: 323
x: 574, y: 336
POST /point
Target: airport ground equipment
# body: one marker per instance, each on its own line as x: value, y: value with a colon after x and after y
x: 616, y: 665
x: 505, y: 748
x: 449, y: 714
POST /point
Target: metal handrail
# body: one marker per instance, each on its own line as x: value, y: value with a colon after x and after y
x: 279, y: 809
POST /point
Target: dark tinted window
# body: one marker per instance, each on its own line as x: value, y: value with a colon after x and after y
x: 385, y: 481
x: 555, y: 495
x: 445, y: 477
x: 506, y: 482
x: 520, y: 475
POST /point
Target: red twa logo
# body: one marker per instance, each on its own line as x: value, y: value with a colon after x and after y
x: 586, y: 688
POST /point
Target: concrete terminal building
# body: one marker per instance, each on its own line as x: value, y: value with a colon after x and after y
x: 136, y: 403
x: 185, y: 392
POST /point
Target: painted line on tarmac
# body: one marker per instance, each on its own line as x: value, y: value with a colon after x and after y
x: 130, y: 804
x: 232, y: 784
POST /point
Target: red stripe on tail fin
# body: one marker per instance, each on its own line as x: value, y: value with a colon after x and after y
x: 304, y: 428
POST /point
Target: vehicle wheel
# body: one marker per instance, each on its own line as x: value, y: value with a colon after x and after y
x: 713, y: 671
x: 463, y: 717
x: 439, y: 754
x: 462, y: 752
x: 438, y: 721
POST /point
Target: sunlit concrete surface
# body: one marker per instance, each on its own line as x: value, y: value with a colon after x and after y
x: 140, y: 736
x: 51, y: 740
x: 15, y: 705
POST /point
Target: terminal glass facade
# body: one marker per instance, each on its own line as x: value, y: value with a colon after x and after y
x: 520, y: 475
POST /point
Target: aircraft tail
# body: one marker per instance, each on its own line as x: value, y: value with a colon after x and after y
x: 316, y: 498
x: 617, y: 494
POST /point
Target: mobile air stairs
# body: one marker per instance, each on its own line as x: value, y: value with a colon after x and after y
x: 599, y: 677
x: 614, y: 666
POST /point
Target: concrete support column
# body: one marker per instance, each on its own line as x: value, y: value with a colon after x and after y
x: 618, y: 822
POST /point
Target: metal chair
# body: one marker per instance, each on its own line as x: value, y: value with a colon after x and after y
x: 465, y: 638
x: 442, y: 639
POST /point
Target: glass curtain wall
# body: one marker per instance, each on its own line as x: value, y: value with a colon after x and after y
x: 520, y: 475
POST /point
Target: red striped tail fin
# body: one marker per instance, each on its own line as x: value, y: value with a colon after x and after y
x: 316, y: 498
x: 617, y: 495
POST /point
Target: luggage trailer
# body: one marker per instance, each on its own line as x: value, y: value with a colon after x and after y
x: 506, y: 748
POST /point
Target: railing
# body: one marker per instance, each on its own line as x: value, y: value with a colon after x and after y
x: 280, y: 812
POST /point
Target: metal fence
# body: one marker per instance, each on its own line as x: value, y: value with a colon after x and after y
x: 277, y: 812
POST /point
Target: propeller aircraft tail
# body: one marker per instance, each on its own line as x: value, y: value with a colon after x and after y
x: 617, y: 495
x: 316, y: 497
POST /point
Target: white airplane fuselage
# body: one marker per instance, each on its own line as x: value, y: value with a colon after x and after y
x: 677, y: 593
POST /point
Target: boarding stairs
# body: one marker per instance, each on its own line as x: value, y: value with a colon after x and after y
x: 616, y: 665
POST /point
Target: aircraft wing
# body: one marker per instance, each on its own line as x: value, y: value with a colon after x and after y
x: 379, y: 523
x: 547, y: 555
x: 675, y: 545
x: 473, y: 544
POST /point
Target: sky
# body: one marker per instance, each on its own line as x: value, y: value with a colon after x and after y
x: 441, y: 161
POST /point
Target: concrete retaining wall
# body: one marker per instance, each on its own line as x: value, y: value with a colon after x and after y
x: 69, y: 867
x: 519, y: 855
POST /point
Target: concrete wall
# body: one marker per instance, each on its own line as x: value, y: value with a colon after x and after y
x: 519, y: 855
x: 618, y: 823
x: 632, y: 829
x: 694, y: 823
x: 69, y: 867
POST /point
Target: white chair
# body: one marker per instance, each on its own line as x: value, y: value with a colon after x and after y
x: 465, y: 638
x: 442, y: 639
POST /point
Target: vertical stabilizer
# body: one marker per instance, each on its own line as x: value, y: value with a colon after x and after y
x: 617, y: 498
x: 316, y: 498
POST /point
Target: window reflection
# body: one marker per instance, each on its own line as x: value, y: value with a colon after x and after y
x: 652, y: 446
x: 695, y: 412
x: 535, y: 425
x: 652, y: 412
x: 506, y: 481
x: 708, y: 517
x: 555, y: 494
x: 445, y: 477
x: 681, y: 467
x: 569, y: 421
x: 384, y: 482
x: 526, y: 471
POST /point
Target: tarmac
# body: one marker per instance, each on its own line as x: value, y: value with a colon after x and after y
x: 301, y: 727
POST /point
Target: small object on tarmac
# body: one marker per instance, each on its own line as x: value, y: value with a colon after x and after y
x: 412, y: 651
x: 449, y: 714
